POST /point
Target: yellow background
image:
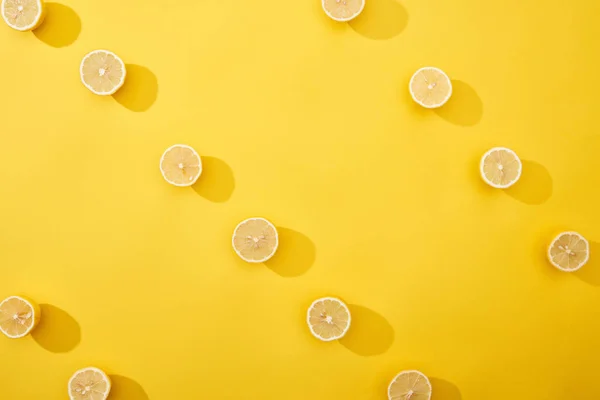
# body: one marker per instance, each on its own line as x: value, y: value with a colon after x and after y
x: 308, y: 123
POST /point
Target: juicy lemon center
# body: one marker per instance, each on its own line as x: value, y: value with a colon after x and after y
x: 101, y: 71
x: 327, y: 318
x: 256, y: 240
x: 21, y: 318
x: 20, y: 8
x: 341, y: 1
x: 567, y: 250
x: 180, y: 165
x: 409, y: 394
x: 500, y: 167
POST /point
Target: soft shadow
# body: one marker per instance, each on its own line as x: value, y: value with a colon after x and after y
x: 370, y: 333
x: 57, y: 331
x: 124, y: 388
x: 534, y: 186
x: 441, y: 389
x: 590, y: 272
x: 61, y: 26
x: 464, y: 108
x: 295, y: 255
x: 140, y: 89
x: 216, y: 182
x: 380, y: 19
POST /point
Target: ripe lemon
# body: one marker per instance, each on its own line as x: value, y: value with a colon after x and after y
x: 430, y: 87
x: 180, y: 165
x: 343, y: 10
x: 500, y: 167
x: 23, y: 15
x: 409, y: 385
x: 103, y: 72
x: 255, y: 240
x: 569, y: 251
x: 328, y: 319
x: 18, y: 316
x: 89, y: 384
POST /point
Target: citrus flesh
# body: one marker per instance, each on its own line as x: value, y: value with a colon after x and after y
x: 181, y: 165
x: 500, y: 167
x: 328, y: 319
x: 343, y: 10
x: 18, y: 316
x: 89, y: 384
x: 430, y: 87
x: 569, y: 251
x: 102, y: 72
x: 23, y: 15
x: 255, y: 240
x: 410, y: 385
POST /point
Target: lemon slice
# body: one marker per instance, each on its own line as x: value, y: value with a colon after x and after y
x: 343, y: 10
x: 23, y: 15
x: 328, y: 319
x: 18, y: 316
x: 255, y: 240
x: 103, y: 72
x: 430, y: 87
x: 569, y: 251
x: 409, y: 385
x: 89, y: 384
x: 180, y: 165
x: 500, y: 167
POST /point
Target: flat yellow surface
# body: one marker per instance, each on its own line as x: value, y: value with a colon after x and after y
x: 308, y: 123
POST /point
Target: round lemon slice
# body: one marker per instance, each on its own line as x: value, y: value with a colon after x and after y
x: 18, y: 316
x: 569, y: 251
x: 343, y: 10
x: 23, y: 15
x: 180, y: 165
x: 328, y: 319
x: 89, y: 384
x: 255, y: 240
x: 103, y: 72
x: 409, y: 385
x: 500, y: 167
x: 430, y: 87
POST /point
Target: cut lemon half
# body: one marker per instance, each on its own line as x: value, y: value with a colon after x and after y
x: 23, y: 15
x: 430, y: 87
x: 255, y: 240
x: 89, y: 384
x: 343, y: 10
x: 18, y: 316
x: 180, y: 165
x: 500, y: 167
x: 569, y: 251
x: 103, y: 72
x: 409, y: 385
x: 328, y: 319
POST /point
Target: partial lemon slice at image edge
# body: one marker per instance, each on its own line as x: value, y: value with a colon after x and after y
x: 23, y: 15
x: 89, y: 384
x: 569, y: 251
x: 343, y: 10
x: 102, y: 72
x: 430, y: 87
x: 500, y: 167
x: 328, y: 319
x: 255, y: 240
x: 18, y: 316
x: 181, y: 165
x: 410, y: 385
